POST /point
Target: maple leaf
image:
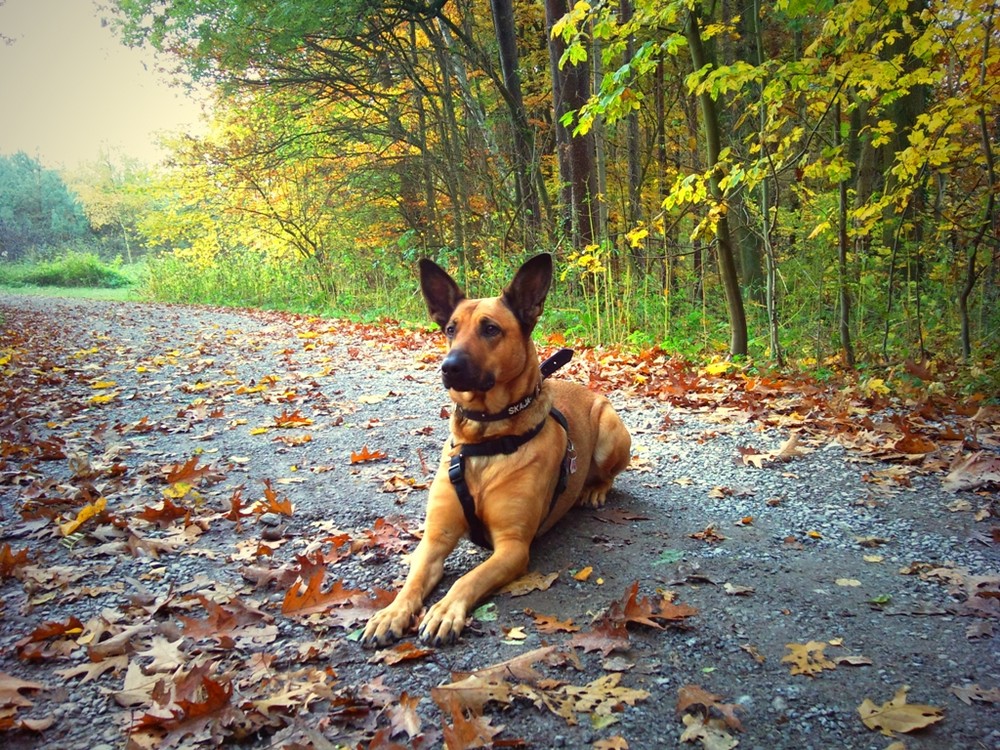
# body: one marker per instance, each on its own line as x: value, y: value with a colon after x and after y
x: 694, y: 696
x: 897, y: 715
x: 808, y: 658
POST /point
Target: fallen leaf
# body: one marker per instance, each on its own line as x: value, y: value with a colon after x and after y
x: 529, y: 582
x: 807, y: 658
x: 365, y: 455
x: 897, y: 715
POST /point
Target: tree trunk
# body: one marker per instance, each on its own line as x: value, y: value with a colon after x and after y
x: 523, y: 137
x: 570, y: 91
x: 727, y: 262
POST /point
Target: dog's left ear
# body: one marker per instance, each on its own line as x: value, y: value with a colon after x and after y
x: 525, y: 295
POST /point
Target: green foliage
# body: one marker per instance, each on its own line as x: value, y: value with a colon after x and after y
x: 36, y: 208
x: 71, y: 269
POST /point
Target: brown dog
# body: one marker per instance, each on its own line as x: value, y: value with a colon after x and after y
x: 510, y: 456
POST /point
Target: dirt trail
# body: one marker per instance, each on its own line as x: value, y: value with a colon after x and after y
x: 158, y: 621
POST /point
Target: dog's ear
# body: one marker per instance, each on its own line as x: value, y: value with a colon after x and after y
x: 441, y: 292
x: 525, y: 295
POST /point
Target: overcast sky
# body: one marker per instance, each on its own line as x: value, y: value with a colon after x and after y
x: 68, y: 88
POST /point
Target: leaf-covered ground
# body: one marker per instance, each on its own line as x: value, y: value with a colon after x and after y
x: 200, y: 507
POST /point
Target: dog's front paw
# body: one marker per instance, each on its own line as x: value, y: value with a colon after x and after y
x: 594, y: 496
x: 386, y: 626
x: 443, y: 623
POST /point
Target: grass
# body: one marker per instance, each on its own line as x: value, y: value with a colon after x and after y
x: 73, y: 269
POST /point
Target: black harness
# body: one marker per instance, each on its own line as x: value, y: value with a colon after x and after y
x: 506, y: 445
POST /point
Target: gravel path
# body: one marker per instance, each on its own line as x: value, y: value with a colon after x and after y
x: 159, y: 621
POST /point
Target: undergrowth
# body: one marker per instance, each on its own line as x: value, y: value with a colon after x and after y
x: 73, y: 269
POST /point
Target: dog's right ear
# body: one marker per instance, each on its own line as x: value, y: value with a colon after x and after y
x: 441, y: 292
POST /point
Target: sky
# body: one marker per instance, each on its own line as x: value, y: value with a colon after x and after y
x: 69, y: 89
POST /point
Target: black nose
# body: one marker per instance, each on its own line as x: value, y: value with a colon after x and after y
x: 459, y: 371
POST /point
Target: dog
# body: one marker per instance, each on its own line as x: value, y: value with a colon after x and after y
x: 523, y: 451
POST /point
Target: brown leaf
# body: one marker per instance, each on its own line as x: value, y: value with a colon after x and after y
x: 399, y: 653
x: 606, y: 637
x: 631, y: 609
x: 969, y: 693
x: 11, y: 687
x: 549, y: 624
x: 975, y: 470
x: 10, y: 561
x: 693, y: 696
x: 897, y: 715
x: 529, y: 582
x: 306, y: 601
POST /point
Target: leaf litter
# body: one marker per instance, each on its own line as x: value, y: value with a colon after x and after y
x: 148, y: 561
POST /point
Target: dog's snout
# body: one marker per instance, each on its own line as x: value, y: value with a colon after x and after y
x: 459, y: 371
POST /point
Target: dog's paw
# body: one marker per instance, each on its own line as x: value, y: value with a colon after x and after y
x: 593, y: 497
x: 442, y: 624
x: 385, y: 627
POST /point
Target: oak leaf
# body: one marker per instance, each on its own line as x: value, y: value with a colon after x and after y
x: 365, y: 455
x: 694, y: 696
x: 643, y: 611
x: 710, y: 732
x: 10, y: 690
x: 10, y: 561
x: 897, y: 715
x: 311, y: 599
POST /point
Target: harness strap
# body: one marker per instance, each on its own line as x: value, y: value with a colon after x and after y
x: 504, y: 446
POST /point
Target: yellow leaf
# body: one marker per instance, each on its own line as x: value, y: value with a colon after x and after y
x: 259, y: 431
x: 583, y: 574
x: 812, y: 534
x: 86, y: 513
x: 717, y: 368
x: 104, y: 398
x: 103, y: 384
x: 897, y: 715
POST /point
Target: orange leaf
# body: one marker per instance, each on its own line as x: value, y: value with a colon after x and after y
x: 366, y: 455
x: 313, y: 599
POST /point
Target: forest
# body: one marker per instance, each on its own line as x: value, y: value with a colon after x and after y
x: 801, y: 180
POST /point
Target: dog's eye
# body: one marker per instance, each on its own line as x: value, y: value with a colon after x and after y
x: 491, y: 329
x: 449, y: 330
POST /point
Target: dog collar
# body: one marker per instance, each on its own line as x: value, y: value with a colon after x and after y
x: 510, y: 411
x: 546, y: 368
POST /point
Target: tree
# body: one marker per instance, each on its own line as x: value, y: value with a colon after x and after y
x: 37, y: 211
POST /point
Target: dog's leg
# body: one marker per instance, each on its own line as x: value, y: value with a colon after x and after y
x: 612, y: 452
x: 444, y: 527
x: 445, y: 620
